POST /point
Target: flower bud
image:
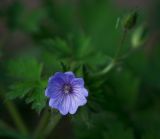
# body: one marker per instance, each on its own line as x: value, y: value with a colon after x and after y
x: 139, y: 36
x: 130, y: 20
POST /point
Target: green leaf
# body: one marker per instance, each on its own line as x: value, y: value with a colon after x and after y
x: 37, y: 98
x: 33, y: 93
x: 25, y: 68
x: 84, y: 46
x: 19, y: 90
x: 62, y: 45
x: 31, y: 88
x: 59, y: 45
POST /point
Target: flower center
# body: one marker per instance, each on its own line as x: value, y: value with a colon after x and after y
x: 67, y: 89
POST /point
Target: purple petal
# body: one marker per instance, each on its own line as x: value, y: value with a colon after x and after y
x: 57, y: 78
x: 70, y: 73
x: 53, y: 91
x: 80, y: 99
x: 64, y: 108
x: 78, y: 85
x: 52, y: 103
x: 76, y: 100
x: 56, y: 102
x: 73, y: 105
x: 85, y: 92
x: 68, y: 77
x: 81, y: 90
x: 78, y: 82
x: 55, y: 85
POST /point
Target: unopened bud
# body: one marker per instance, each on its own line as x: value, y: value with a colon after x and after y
x: 139, y: 36
x: 130, y: 20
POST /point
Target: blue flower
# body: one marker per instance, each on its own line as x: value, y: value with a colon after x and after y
x: 66, y: 92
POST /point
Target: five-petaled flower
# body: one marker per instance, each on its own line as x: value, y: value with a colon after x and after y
x: 66, y: 92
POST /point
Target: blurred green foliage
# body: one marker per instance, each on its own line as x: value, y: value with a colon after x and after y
x: 27, y: 72
x: 81, y: 36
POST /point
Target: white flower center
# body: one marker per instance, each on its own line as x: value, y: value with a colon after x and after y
x: 67, y: 89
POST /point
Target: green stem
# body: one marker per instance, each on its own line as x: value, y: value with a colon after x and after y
x: 51, y: 125
x: 121, y: 45
x: 46, y: 125
x: 16, y: 117
x: 114, y: 61
x: 106, y: 69
x: 43, y: 121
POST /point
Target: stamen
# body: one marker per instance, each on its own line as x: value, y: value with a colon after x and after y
x: 67, y: 89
